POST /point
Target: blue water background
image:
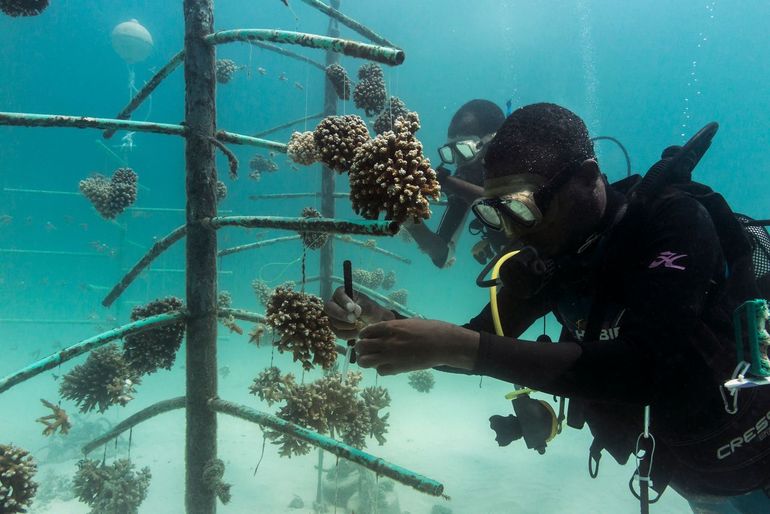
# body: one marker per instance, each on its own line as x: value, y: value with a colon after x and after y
x: 648, y: 73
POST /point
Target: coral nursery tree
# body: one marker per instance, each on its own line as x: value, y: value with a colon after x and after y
x: 202, y: 311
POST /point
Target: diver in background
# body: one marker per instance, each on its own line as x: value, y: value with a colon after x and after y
x: 471, y: 128
x: 644, y: 292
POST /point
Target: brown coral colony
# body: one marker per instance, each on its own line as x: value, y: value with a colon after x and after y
x: 338, y: 138
x: 390, y: 174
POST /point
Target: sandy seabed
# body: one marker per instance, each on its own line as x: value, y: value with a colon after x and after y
x: 443, y: 435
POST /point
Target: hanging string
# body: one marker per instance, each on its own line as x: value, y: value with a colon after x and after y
x: 104, y: 457
x: 275, y: 278
x: 262, y: 454
x: 304, y: 260
x: 130, y: 437
x: 336, y: 482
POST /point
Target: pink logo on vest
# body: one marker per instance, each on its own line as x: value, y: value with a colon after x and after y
x: 667, y: 260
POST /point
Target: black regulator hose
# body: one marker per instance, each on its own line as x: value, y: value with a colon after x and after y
x: 622, y: 148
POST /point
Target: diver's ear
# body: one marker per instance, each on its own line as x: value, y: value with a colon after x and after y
x: 588, y: 172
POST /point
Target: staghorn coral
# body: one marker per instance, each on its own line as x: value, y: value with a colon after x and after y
x: 375, y: 399
x: 305, y: 329
x: 226, y: 68
x: 225, y: 301
x: 370, y: 94
x: 262, y: 290
x: 371, y: 279
x: 213, y: 472
x: 391, y: 174
x: 389, y: 280
x: 221, y: 191
x: 338, y: 138
x: 330, y: 405
x: 384, y: 121
x: 313, y: 240
x: 57, y: 420
x: 156, y: 348
x: 340, y: 80
x: 302, y: 148
x: 260, y: 164
x: 256, y: 333
x: 422, y: 380
x: 270, y: 386
x: 105, y: 379
x: 23, y: 7
x: 17, y: 467
x: 111, y: 197
x: 113, y: 489
x: 399, y: 296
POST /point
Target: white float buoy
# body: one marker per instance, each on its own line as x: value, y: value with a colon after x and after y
x: 132, y: 42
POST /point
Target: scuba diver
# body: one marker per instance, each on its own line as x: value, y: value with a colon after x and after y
x: 643, y: 274
x: 471, y: 128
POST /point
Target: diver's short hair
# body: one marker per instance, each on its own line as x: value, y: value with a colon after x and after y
x: 540, y: 138
x: 476, y: 118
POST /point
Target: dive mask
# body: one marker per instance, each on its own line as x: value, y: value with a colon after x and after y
x: 462, y: 150
x: 526, y: 205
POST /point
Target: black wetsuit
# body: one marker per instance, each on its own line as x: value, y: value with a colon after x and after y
x: 666, y: 321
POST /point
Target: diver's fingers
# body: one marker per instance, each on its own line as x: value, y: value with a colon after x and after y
x: 345, y: 302
x: 371, y: 360
x: 338, y: 314
x: 345, y: 334
x: 387, y: 369
x: 377, y: 330
x: 370, y: 346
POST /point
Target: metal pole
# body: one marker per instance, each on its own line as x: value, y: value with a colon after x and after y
x: 327, y: 174
x: 201, y: 246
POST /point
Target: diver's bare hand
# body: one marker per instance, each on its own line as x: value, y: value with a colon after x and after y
x: 349, y: 316
x: 410, y: 344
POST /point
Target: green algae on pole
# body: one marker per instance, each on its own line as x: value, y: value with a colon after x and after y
x: 57, y: 120
x: 289, y: 124
x: 382, y: 54
x: 258, y: 244
x: 146, y: 90
x: 54, y: 360
x: 327, y: 225
x: 378, y: 465
x: 130, y: 422
x: 348, y: 22
x: 200, y: 255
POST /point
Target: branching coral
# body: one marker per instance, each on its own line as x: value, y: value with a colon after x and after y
x: 213, y: 472
x: 422, y: 380
x: 23, y: 7
x: 340, y: 80
x: 391, y: 174
x: 270, y: 386
x: 111, y: 196
x: 105, y: 379
x: 313, y: 240
x: 256, y: 333
x: 370, y: 94
x: 389, y: 280
x: 113, y: 489
x: 226, y: 68
x: 329, y: 405
x: 399, y: 296
x: 261, y: 164
x: 371, y: 279
x: 155, y: 348
x: 384, y: 121
x: 221, y: 191
x: 225, y: 301
x: 16, y: 485
x: 375, y: 399
x: 302, y: 148
x: 57, y: 420
x: 303, y: 325
x: 262, y: 290
x: 337, y: 139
